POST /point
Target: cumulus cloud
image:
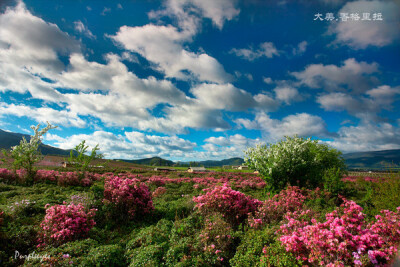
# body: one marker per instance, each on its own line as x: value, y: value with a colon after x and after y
x: 30, y: 41
x: 189, y: 12
x: 29, y: 50
x: 130, y: 145
x: 300, y: 49
x: 367, y: 137
x: 266, y: 49
x: 163, y: 46
x: 43, y: 114
x: 223, y: 147
x: 302, y: 124
x: 363, y: 33
x: 83, y: 29
x: 351, y: 76
x: 366, y: 106
x: 288, y: 94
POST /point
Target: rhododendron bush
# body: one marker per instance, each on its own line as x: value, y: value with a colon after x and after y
x: 128, y: 196
x: 233, y: 205
x: 344, y: 238
x: 274, y: 208
x: 64, y: 223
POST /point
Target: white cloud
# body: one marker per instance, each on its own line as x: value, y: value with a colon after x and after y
x: 223, y: 96
x: 131, y: 145
x: 287, y: 94
x: 82, y: 28
x: 300, y: 49
x: 189, y: 12
x: 105, y: 11
x: 228, y: 147
x: 366, y: 106
x: 268, y: 80
x: 29, y: 50
x: 30, y: 41
x: 192, y: 115
x: 163, y: 46
x: 367, y: 137
x: 266, y: 49
x: 361, y: 34
x: 43, y: 114
x: 302, y: 124
x: 352, y: 75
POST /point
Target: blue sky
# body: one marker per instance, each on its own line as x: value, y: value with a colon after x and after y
x: 201, y: 79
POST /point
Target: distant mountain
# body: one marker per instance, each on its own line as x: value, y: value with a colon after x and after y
x: 154, y: 161
x: 220, y: 163
x: 9, y: 139
x: 382, y: 160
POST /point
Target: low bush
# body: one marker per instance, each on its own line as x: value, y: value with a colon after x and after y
x: 105, y: 256
x: 148, y: 247
x: 273, y: 209
x: 233, y: 205
x: 64, y: 223
x: 128, y: 197
x: 344, y: 238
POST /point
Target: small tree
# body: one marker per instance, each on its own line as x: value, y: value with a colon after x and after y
x: 295, y: 161
x: 26, y: 154
x: 78, y: 155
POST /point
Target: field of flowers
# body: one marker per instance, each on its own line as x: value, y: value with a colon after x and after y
x: 147, y: 218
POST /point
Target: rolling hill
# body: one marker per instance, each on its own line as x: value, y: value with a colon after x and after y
x: 381, y: 160
x: 9, y: 139
x: 154, y: 161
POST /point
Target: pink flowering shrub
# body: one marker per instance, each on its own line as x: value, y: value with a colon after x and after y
x: 127, y: 196
x: 344, y: 238
x: 64, y: 223
x: 7, y: 175
x: 233, y: 205
x: 274, y: 208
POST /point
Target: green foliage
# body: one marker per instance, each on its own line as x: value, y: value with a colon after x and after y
x: 276, y: 255
x: 333, y: 181
x: 104, y: 256
x: 81, y: 160
x: 26, y: 154
x: 148, y: 247
x: 262, y: 248
x: 386, y: 194
x: 249, y: 251
x: 71, y: 253
x: 295, y: 161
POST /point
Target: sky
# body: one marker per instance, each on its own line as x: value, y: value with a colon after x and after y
x: 201, y: 79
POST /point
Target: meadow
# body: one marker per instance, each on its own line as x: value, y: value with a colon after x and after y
x: 137, y: 217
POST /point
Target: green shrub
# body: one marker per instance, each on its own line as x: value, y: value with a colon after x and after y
x: 295, y: 161
x: 262, y: 248
x: 249, y: 251
x: 333, y: 181
x: 183, y: 247
x: 105, y: 256
x: 148, y: 247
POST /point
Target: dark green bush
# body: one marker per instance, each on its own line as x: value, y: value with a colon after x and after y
x: 105, y: 256
x: 333, y: 181
x: 149, y: 245
x: 251, y: 250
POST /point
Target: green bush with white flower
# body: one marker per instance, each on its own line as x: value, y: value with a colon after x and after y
x: 295, y: 161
